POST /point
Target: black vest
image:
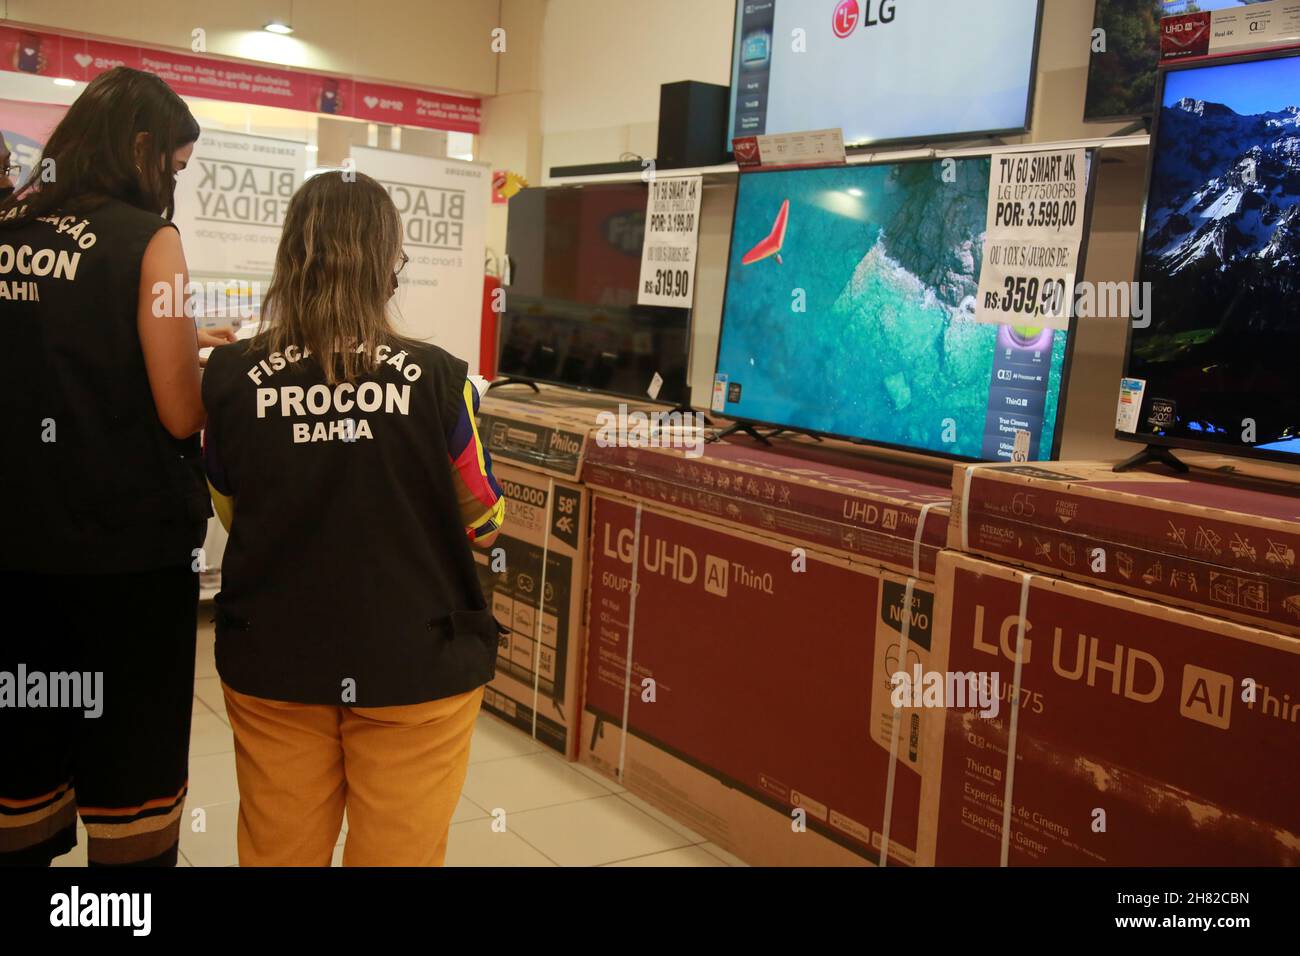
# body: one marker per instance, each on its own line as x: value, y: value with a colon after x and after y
x: 347, y: 559
x: 90, y: 481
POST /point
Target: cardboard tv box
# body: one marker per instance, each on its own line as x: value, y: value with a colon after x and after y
x: 1146, y: 735
x: 534, y: 578
x: 768, y: 691
x: 550, y: 430
x: 828, y: 497
x: 1224, y: 545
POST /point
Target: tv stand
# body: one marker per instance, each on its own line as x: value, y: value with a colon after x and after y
x: 683, y: 409
x: 743, y: 428
x: 1153, y: 455
x: 502, y: 382
x: 794, y: 431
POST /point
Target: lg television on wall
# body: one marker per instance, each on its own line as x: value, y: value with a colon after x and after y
x: 883, y: 70
x: 1125, y: 47
x: 1217, y: 364
x: 849, y: 311
x: 571, y: 316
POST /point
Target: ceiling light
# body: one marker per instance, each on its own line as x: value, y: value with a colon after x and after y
x: 277, y: 26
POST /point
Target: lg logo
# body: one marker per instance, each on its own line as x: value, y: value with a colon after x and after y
x: 848, y: 14
x: 845, y: 19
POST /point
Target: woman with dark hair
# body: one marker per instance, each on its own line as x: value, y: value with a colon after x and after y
x: 104, y: 502
x: 353, y: 640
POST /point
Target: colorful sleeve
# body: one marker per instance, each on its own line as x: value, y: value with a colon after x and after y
x: 482, y: 505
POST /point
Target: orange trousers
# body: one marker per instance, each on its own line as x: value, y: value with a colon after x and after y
x: 398, y: 771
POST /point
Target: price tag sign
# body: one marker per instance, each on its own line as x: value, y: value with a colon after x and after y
x: 1031, y: 247
x: 672, y: 231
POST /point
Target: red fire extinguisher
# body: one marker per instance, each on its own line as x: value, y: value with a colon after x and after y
x: 487, y: 343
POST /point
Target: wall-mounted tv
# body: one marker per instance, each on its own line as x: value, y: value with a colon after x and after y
x: 849, y: 311
x: 883, y: 70
x: 1217, y: 364
x: 571, y: 316
x: 1125, y: 49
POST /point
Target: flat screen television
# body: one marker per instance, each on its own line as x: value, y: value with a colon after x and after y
x: 883, y: 70
x: 1126, y: 54
x: 570, y: 314
x: 1217, y: 364
x: 849, y: 311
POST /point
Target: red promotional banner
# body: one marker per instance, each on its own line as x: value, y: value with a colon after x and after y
x: 55, y: 55
x: 1184, y: 36
x: 1231, y: 29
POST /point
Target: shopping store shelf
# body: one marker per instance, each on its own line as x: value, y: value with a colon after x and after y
x: 727, y: 171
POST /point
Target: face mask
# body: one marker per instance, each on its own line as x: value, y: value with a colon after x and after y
x: 6, y: 192
x: 393, y: 290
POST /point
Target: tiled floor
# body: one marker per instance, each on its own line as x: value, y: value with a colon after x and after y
x: 557, y: 813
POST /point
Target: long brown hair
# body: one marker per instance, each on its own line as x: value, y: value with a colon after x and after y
x: 94, y: 149
x: 333, y: 274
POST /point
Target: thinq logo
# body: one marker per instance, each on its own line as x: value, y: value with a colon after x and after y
x: 845, y: 19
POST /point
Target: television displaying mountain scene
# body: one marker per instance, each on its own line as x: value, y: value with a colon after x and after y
x: 1221, y: 250
x: 1122, y: 69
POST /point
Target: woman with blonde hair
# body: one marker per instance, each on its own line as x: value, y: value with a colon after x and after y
x: 353, y: 640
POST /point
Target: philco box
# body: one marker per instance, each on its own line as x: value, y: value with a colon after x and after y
x: 1146, y: 735
x: 547, y: 431
x: 833, y: 499
x: 759, y: 710
x: 534, y: 577
x: 1222, y: 545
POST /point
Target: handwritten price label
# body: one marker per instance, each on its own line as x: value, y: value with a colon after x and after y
x: 1031, y: 247
x: 672, y: 219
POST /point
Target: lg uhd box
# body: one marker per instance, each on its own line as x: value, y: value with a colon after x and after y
x: 834, y: 499
x: 1228, y: 546
x: 1129, y: 733
x: 756, y: 709
x: 534, y: 577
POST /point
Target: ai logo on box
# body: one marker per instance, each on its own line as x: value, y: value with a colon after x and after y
x: 717, y: 571
x: 1207, y: 696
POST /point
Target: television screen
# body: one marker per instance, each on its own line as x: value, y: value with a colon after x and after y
x: 1220, y: 249
x: 882, y: 69
x: 1126, y: 51
x: 849, y: 310
x: 570, y: 315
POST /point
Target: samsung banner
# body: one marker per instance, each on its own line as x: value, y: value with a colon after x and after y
x: 443, y: 204
x: 231, y: 200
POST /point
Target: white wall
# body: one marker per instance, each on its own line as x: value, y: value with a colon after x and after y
x: 603, y: 62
